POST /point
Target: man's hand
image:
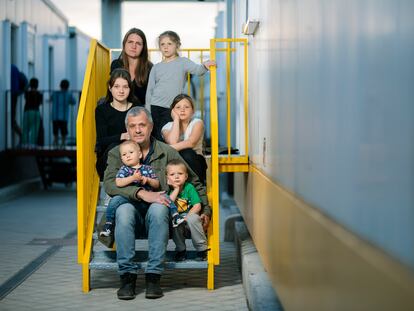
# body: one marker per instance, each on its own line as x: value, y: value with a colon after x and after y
x: 205, y: 221
x: 153, y: 197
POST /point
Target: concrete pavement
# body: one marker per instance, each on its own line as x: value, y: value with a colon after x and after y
x: 39, y: 270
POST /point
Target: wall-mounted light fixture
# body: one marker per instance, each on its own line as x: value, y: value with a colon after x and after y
x: 250, y: 27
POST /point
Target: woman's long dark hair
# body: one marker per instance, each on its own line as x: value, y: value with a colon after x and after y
x: 144, y: 65
x: 124, y: 74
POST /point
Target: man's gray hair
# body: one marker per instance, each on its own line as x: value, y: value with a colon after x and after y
x: 137, y: 110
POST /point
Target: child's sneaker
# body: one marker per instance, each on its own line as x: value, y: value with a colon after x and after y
x: 201, y: 256
x: 108, y: 229
x: 177, y: 220
x: 180, y: 256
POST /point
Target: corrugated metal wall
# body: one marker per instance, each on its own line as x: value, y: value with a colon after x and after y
x: 331, y: 86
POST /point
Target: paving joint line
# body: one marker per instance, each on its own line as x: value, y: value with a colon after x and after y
x: 18, y: 278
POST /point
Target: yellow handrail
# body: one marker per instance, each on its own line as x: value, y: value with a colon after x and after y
x: 239, y: 164
x: 214, y: 169
x: 94, y: 86
x: 246, y: 97
x: 228, y: 88
x: 242, y: 127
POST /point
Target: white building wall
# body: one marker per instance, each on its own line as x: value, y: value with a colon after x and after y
x: 79, y: 44
x: 41, y: 49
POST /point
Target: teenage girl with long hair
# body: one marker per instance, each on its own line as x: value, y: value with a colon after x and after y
x: 110, y: 116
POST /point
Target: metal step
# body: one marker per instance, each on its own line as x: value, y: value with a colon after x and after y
x: 106, y: 260
x: 101, y: 208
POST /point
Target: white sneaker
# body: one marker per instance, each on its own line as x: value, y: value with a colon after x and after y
x: 177, y: 220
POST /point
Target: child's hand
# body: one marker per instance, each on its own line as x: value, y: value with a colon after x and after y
x: 209, y: 63
x: 144, y: 180
x: 138, y: 177
x: 172, y: 184
x: 174, y: 115
x: 125, y: 136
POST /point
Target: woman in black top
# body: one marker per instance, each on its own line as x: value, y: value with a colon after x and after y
x: 110, y: 116
x: 134, y: 58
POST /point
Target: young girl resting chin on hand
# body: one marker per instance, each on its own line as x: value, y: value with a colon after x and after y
x: 186, y: 134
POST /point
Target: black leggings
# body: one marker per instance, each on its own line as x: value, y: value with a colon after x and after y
x: 196, y: 162
x: 160, y: 116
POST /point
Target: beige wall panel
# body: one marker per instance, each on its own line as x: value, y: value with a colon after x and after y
x: 313, y: 263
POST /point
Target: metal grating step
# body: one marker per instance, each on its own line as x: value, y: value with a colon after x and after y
x: 106, y: 260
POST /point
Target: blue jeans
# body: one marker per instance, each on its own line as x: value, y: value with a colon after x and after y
x: 113, y: 205
x: 117, y: 201
x: 132, y: 222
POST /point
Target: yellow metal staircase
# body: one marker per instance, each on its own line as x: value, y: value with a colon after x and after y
x: 94, y: 87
